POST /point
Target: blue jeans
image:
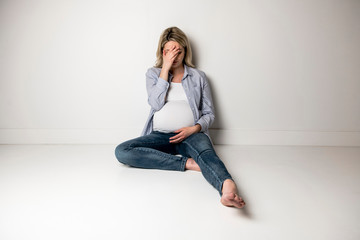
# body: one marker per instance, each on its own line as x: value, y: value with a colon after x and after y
x: 156, y: 152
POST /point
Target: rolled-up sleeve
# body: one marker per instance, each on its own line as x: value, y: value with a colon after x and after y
x: 207, y: 108
x: 156, y: 88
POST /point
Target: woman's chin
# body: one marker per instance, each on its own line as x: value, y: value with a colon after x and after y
x: 176, y: 65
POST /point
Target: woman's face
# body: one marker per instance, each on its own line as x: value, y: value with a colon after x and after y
x: 180, y: 57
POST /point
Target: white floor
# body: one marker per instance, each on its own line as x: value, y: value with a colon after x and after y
x: 82, y: 192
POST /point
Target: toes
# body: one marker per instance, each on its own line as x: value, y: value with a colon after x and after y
x: 239, y: 201
x: 232, y: 200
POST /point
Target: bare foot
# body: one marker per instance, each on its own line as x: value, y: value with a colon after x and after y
x: 192, y: 165
x: 230, y: 197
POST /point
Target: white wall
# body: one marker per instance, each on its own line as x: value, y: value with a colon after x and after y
x: 282, y: 72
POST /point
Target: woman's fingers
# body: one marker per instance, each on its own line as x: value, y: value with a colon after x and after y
x: 174, y: 54
x: 177, y: 138
x: 175, y: 50
x: 171, y: 51
x: 170, y: 56
x: 182, y: 134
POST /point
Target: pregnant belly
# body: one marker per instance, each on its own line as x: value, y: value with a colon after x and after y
x: 173, y: 116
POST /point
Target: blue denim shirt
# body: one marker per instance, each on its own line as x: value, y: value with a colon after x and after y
x: 196, y: 88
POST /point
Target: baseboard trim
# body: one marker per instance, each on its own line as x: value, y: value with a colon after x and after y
x: 291, y: 138
x: 219, y: 136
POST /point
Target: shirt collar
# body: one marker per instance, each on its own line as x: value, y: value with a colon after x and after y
x: 186, y: 71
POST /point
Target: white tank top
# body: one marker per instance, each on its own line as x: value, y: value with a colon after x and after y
x: 176, y: 113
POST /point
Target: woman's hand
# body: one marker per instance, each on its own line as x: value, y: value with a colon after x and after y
x: 169, y: 56
x: 184, y: 132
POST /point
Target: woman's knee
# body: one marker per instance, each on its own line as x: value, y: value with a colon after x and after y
x: 121, y: 152
x: 200, y: 141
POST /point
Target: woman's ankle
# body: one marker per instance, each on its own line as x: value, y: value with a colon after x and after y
x: 192, y: 165
x: 229, y: 186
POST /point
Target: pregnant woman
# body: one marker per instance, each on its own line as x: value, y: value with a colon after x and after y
x: 181, y: 114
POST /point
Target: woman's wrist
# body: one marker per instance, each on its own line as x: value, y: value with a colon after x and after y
x: 164, y: 74
x: 197, y: 127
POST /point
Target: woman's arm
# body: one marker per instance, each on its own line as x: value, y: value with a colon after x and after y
x: 206, y: 106
x: 156, y: 88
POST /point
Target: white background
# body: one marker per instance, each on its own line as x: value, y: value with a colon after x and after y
x: 282, y: 72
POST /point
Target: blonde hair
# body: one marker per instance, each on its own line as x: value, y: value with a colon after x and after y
x: 174, y: 34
